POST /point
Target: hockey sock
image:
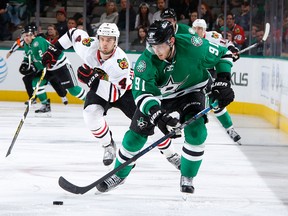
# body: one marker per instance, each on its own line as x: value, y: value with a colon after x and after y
x: 41, y: 93
x: 132, y: 144
x: 78, y: 92
x: 224, y: 118
x: 102, y: 133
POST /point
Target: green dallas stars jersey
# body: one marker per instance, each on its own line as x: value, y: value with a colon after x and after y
x: 155, y: 79
x: 36, y: 49
x: 183, y: 29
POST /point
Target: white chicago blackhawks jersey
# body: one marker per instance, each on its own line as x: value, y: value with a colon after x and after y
x: 117, y: 66
x: 217, y: 38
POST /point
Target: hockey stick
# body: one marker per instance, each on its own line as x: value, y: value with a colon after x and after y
x: 265, y: 36
x: 26, y: 112
x: 68, y: 186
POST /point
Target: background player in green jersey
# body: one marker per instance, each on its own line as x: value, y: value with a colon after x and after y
x: 199, y: 26
x: 169, y: 14
x: 59, y: 69
x: 171, y: 76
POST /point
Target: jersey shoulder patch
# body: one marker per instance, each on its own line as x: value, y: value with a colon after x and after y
x: 196, y: 40
x: 87, y: 41
x: 123, y: 63
x: 141, y: 66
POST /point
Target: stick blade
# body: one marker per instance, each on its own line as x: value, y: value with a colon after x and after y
x: 68, y: 186
x: 267, y: 31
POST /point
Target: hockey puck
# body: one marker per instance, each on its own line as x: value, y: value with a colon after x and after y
x: 57, y: 202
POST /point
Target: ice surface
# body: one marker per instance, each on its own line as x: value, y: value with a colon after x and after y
x: 233, y: 180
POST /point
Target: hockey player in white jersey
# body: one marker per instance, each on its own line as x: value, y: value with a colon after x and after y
x: 107, y: 72
x: 199, y: 26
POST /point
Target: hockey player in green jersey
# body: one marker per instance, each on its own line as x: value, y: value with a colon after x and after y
x: 170, y: 76
x: 221, y: 114
x: 60, y: 69
x: 199, y: 26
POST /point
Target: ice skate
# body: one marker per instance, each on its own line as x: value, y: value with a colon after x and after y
x: 186, y: 185
x: 175, y: 160
x: 109, y: 153
x: 33, y: 101
x: 45, y: 110
x: 64, y: 100
x: 110, y: 183
x: 234, y: 135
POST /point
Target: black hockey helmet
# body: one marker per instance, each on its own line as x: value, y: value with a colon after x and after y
x: 160, y: 32
x: 31, y: 28
x: 168, y: 13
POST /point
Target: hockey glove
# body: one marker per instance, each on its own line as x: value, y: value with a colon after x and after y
x: 164, y: 121
x: 222, y: 91
x: 90, y: 76
x: 235, y: 54
x: 25, y: 69
x: 51, y: 56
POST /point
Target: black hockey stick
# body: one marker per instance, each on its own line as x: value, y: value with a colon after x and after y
x: 265, y: 36
x: 25, y: 113
x: 68, y: 186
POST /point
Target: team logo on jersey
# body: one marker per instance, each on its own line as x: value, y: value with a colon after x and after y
x: 87, y: 41
x: 196, y: 41
x: 215, y: 35
x: 36, y: 44
x: 141, y: 123
x: 123, y: 64
x: 141, y: 66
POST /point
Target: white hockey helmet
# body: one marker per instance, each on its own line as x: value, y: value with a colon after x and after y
x: 108, y: 29
x: 200, y: 23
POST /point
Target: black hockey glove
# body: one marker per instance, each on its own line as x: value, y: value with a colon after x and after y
x: 90, y: 76
x: 25, y: 70
x: 235, y: 54
x: 222, y: 91
x: 51, y: 56
x: 163, y: 120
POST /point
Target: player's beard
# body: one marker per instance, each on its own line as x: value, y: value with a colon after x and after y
x: 106, y: 52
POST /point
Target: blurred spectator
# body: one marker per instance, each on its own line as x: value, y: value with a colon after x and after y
x: 71, y: 23
x: 186, y: 8
x: 285, y: 34
x: 4, y: 21
x: 17, y: 11
x: 161, y: 5
x: 219, y: 23
x: 143, y: 17
x: 259, y: 50
x: 193, y: 17
x: 122, y: 16
x: 238, y: 31
x: 79, y: 21
x: 139, y: 43
x: 244, y: 18
x: 61, y: 24
x: 52, y: 34
x: 206, y: 14
x: 110, y: 16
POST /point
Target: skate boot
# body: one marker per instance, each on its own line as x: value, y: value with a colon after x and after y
x: 33, y: 101
x: 110, y: 183
x: 64, y: 100
x: 186, y: 184
x: 46, y: 108
x: 175, y: 160
x: 234, y: 135
x: 109, y: 153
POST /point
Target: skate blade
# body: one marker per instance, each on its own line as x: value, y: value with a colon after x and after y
x: 186, y: 196
x: 43, y: 115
